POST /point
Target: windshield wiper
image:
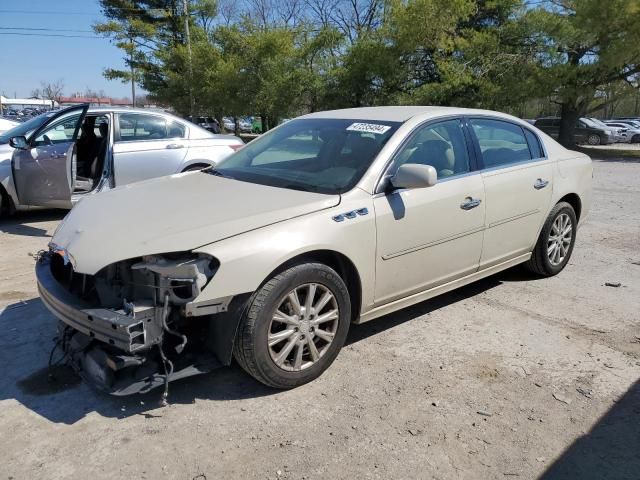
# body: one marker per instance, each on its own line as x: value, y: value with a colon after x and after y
x: 212, y: 171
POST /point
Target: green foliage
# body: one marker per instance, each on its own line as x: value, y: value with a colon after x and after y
x: 278, y: 58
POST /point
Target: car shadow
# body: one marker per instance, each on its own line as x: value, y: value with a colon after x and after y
x: 610, y: 450
x: 22, y: 223
x: 27, y: 331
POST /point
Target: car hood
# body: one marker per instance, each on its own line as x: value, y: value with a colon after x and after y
x: 171, y: 214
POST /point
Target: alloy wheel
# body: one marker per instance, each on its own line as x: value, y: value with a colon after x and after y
x: 593, y: 139
x: 303, y: 327
x: 559, y: 240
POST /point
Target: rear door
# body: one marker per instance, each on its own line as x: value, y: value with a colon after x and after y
x: 518, y: 182
x: 147, y: 146
x: 43, y: 171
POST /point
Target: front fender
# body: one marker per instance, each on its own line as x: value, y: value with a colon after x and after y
x: 247, y: 260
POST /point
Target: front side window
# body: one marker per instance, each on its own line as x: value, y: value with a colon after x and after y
x: 316, y: 155
x: 441, y: 145
x: 501, y: 143
x: 27, y: 128
x: 137, y: 127
x: 60, y: 131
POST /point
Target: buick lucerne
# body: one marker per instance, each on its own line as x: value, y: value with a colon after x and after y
x: 332, y: 218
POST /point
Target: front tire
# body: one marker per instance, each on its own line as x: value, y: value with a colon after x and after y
x: 294, y: 326
x: 555, y: 243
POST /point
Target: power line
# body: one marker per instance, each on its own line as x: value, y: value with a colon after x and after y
x: 132, y: 11
x: 46, y: 29
x: 24, y: 34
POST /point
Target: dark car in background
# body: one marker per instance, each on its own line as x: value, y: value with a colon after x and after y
x: 208, y: 123
x: 587, y: 131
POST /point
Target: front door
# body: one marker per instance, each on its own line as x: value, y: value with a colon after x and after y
x: 518, y: 182
x: 147, y: 146
x: 429, y: 236
x: 42, y: 172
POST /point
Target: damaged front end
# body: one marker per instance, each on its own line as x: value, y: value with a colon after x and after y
x: 134, y: 325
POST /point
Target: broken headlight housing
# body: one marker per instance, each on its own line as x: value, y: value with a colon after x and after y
x: 181, y: 277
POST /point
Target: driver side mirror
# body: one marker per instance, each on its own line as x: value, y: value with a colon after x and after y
x: 413, y: 175
x: 18, y: 142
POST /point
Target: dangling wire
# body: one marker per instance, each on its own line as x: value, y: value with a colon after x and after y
x: 167, y: 374
x: 165, y: 315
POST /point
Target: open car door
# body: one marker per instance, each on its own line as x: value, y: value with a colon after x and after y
x: 43, y: 171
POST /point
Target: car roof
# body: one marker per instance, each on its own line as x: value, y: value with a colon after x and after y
x: 126, y: 110
x: 399, y: 113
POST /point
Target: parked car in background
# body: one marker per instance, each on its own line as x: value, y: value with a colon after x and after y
x: 333, y: 218
x: 619, y: 133
x: 228, y: 124
x: 6, y: 124
x: 208, y: 123
x: 61, y: 157
x: 586, y: 131
x: 632, y: 129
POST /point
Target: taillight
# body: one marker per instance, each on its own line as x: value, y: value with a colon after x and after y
x: 236, y: 147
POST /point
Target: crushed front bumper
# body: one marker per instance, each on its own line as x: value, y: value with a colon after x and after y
x: 125, y: 332
x: 113, y: 351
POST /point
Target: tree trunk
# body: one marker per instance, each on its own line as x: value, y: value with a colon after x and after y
x: 569, y: 115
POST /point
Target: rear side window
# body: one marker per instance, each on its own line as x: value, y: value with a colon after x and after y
x: 176, y: 130
x: 501, y: 143
x: 136, y: 127
x: 534, y: 144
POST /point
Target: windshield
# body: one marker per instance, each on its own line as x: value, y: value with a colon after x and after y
x: 25, y: 129
x: 315, y: 155
x: 594, y: 123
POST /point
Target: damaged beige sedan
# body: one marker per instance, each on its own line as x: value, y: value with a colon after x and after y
x: 333, y: 218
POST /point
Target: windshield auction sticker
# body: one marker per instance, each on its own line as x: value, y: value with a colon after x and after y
x: 368, y: 128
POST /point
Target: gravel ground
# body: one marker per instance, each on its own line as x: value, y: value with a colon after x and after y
x: 512, y: 377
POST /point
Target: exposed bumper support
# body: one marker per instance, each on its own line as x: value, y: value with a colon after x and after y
x: 125, y: 332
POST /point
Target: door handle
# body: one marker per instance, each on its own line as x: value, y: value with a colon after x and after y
x: 470, y: 203
x: 540, y: 183
x: 174, y: 146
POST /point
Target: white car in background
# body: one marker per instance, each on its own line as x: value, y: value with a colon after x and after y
x: 330, y: 219
x: 58, y: 158
x: 632, y: 130
x: 7, y: 125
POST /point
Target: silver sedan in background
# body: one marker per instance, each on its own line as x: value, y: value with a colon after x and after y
x: 56, y: 159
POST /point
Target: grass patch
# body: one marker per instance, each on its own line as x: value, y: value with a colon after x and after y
x: 609, y: 152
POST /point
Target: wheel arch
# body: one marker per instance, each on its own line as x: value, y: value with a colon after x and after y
x: 338, y: 262
x: 573, y: 199
x: 196, y: 163
x: 6, y: 202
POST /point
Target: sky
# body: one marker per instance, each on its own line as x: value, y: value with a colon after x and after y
x: 79, y: 62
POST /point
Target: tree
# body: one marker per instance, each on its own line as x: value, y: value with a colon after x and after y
x: 583, y: 46
x: 52, y: 90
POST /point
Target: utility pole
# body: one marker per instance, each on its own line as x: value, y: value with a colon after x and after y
x: 133, y: 77
x: 186, y: 29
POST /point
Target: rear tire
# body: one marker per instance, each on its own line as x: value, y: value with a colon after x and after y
x: 294, y: 327
x: 555, y: 243
x: 594, y: 139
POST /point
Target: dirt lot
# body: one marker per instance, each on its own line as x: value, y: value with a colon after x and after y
x: 512, y: 377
